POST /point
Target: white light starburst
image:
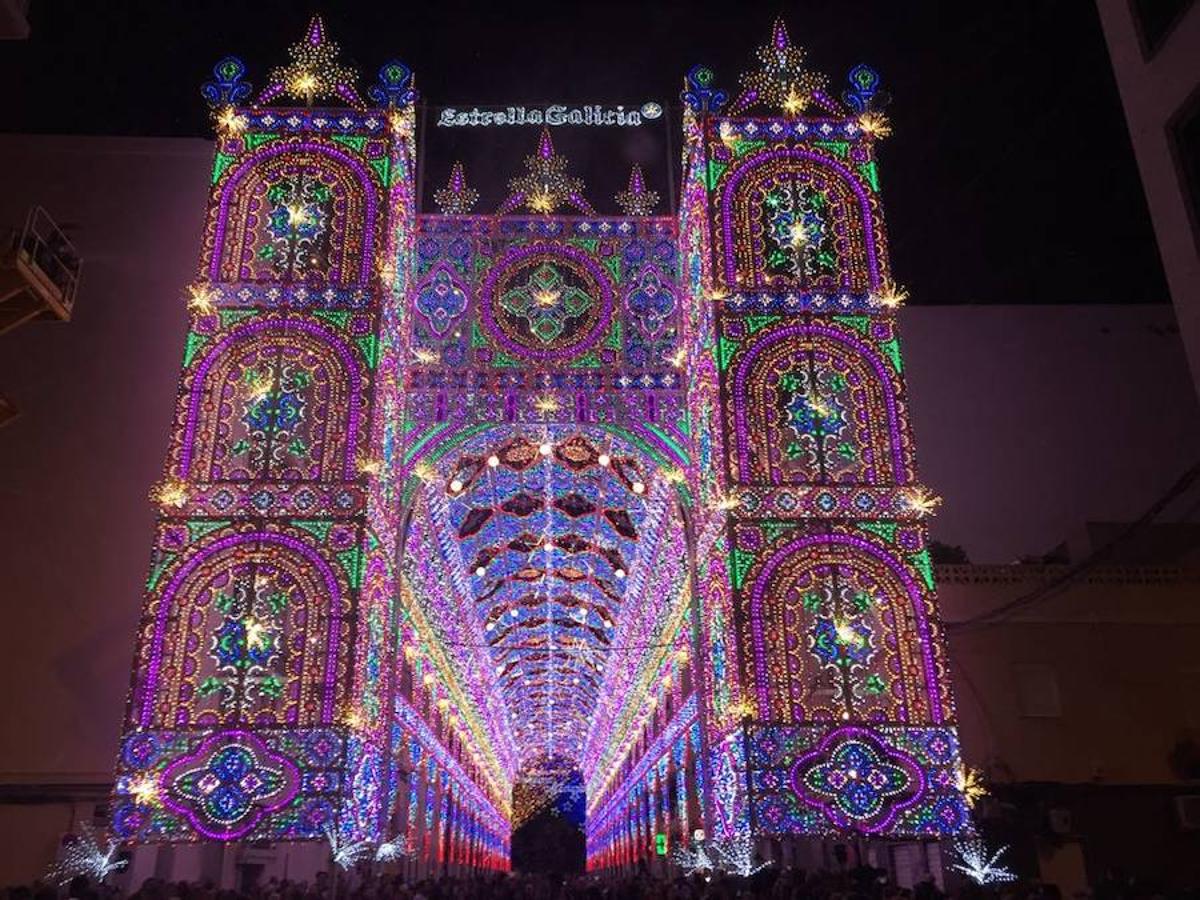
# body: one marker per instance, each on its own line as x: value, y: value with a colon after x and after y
x: 394, y: 849
x: 976, y: 863
x: 86, y: 856
x: 345, y: 852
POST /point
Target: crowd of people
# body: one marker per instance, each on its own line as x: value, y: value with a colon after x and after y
x: 862, y: 883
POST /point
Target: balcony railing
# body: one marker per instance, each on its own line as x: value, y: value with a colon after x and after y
x: 39, y: 272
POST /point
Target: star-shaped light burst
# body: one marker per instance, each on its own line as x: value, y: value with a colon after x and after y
x: 345, y: 852
x: 394, y: 849
x: 978, y: 864
x: 456, y: 198
x: 546, y: 185
x: 86, y: 856
x: 202, y: 298
x: 781, y: 80
x: 970, y: 784
x: 314, y: 72
x: 635, y: 200
x: 921, y: 501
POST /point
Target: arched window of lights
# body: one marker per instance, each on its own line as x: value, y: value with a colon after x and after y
x: 815, y: 404
x: 839, y: 629
x: 275, y: 399
x: 295, y: 211
x: 794, y: 219
x: 247, y: 631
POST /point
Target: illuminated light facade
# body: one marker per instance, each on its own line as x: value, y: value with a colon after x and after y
x: 461, y: 508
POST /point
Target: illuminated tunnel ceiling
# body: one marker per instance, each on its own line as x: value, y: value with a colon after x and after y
x: 550, y: 531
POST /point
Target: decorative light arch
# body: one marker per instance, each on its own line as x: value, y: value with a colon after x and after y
x: 228, y: 543
x: 288, y: 147
x: 729, y: 198
x: 741, y: 381
x: 247, y: 332
x: 913, y: 592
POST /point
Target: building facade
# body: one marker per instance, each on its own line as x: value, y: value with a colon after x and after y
x: 460, y: 505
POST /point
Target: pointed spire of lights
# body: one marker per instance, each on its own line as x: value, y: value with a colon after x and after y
x: 314, y: 72
x: 545, y: 186
x: 456, y: 198
x: 781, y: 80
x: 635, y: 200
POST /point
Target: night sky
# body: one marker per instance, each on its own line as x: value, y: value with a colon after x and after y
x: 1010, y: 177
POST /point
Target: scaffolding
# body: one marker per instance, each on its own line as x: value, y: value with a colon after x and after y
x: 39, y: 272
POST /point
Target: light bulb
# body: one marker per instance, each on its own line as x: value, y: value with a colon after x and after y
x: 639, y: 488
x: 493, y: 461
x: 456, y: 485
x: 603, y: 459
x: 620, y: 573
x: 545, y: 449
x: 480, y: 571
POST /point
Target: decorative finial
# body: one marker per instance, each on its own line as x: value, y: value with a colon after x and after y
x: 546, y: 186
x: 699, y: 93
x: 395, y: 86
x: 636, y: 200
x: 227, y: 87
x: 781, y: 80
x: 456, y: 198
x: 864, y: 81
x: 314, y: 72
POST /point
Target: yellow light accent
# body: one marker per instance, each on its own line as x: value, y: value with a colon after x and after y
x: 387, y: 271
x: 970, y: 783
x: 410, y: 652
x: 820, y: 407
x: 426, y: 356
x: 304, y: 84
x: 260, y: 386
x: 547, y: 403
x: 847, y: 635
x: 922, y: 501
x: 542, y: 202
x: 727, y: 503
x: 890, y: 295
x: 443, y: 704
x: 352, y: 718
x: 256, y: 634
x: 170, y: 493
x: 546, y: 296
x: 875, y: 124
x: 424, y: 471
x: 297, y: 215
x: 798, y: 234
x: 741, y: 709
x: 200, y: 298
x: 794, y: 103
x: 729, y: 137
x: 681, y: 656
x: 144, y: 790
x: 401, y: 122
x: 370, y: 466
x: 678, y: 358
x: 230, y: 123
x: 675, y: 476
x: 428, y: 679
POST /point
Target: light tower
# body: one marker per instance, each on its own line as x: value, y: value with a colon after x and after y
x: 829, y: 700
x: 258, y: 705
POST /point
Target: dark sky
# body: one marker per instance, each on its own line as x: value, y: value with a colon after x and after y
x: 1010, y: 177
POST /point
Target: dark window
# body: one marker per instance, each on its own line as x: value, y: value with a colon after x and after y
x: 1155, y: 19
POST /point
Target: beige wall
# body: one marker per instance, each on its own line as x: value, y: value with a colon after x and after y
x: 1121, y: 647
